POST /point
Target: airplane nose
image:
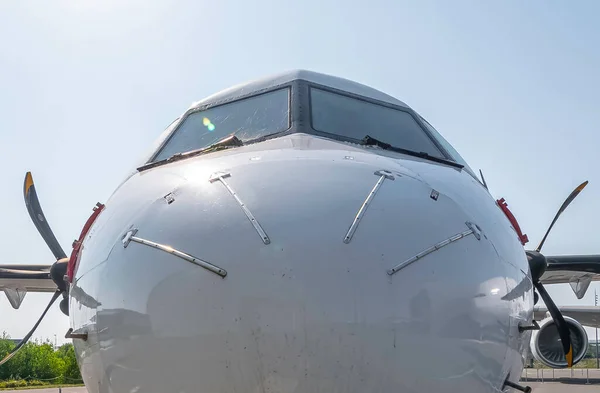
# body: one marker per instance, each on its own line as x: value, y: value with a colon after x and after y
x: 339, y: 211
x: 294, y: 274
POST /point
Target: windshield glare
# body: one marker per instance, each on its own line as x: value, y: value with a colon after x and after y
x: 247, y: 119
x: 354, y: 118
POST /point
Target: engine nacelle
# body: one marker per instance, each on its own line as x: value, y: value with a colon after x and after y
x: 546, y: 345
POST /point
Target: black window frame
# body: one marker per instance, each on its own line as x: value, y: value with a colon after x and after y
x: 232, y: 100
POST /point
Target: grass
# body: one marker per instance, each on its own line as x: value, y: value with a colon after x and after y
x: 48, y: 386
x: 21, y: 384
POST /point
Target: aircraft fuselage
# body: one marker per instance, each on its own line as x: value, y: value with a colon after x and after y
x: 307, y: 309
x: 304, y: 261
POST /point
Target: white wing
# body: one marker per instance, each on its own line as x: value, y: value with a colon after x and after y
x: 577, y: 270
x: 17, y: 280
x: 586, y: 315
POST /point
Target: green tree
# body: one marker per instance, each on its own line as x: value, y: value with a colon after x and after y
x: 39, y: 361
x: 71, y: 370
x: 5, y: 347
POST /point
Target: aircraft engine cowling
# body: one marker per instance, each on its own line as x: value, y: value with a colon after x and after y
x: 546, y: 346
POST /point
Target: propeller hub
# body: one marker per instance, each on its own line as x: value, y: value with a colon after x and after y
x: 537, y: 264
x: 57, y: 273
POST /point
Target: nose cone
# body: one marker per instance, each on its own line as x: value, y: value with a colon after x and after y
x: 310, y: 300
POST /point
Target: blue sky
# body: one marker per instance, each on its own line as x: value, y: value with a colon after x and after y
x: 87, y: 86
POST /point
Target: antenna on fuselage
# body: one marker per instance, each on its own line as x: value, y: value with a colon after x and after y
x: 483, y: 180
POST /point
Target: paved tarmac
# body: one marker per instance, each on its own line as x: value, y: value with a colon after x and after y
x: 560, y: 381
x: 561, y: 387
x: 575, y: 376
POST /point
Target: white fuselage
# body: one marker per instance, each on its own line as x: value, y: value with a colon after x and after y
x: 308, y: 310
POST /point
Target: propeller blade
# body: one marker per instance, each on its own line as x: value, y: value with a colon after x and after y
x: 566, y: 203
x: 561, y: 325
x: 28, y: 336
x: 37, y: 216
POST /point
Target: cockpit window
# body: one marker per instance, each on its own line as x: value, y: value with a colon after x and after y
x: 354, y: 118
x: 248, y: 118
x: 449, y: 148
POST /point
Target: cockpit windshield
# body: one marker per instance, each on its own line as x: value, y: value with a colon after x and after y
x: 247, y: 119
x: 355, y: 118
x: 449, y: 148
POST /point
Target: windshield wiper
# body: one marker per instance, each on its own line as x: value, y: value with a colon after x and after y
x: 225, y: 143
x: 370, y: 141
